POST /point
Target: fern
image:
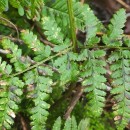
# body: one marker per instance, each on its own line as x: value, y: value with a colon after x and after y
x: 15, y: 56
x: 92, y: 26
x: 120, y: 68
x: 14, y: 3
x: 3, y: 5
x: 68, y: 69
x: 5, y: 69
x: 115, y: 31
x: 57, y: 124
x: 95, y: 80
x: 71, y: 124
x: 35, y: 45
x: 82, y: 20
x: 10, y: 97
x: 59, y: 9
x: 33, y: 5
x: 84, y: 124
x: 41, y: 94
x: 52, y: 31
x: 49, y: 75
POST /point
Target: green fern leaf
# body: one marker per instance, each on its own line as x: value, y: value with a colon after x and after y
x: 59, y: 9
x: 84, y: 18
x: 95, y: 81
x: 35, y: 45
x: 68, y: 69
x: 126, y: 41
x: 73, y: 123
x: 3, y: 5
x: 35, y: 7
x: 67, y: 125
x: 52, y: 31
x: 120, y: 75
x: 92, y: 25
x: 41, y: 94
x: 5, y: 69
x: 20, y: 62
x: 15, y: 3
x: 10, y: 97
x: 59, y: 48
x: 84, y: 124
x: 115, y: 30
x: 57, y: 124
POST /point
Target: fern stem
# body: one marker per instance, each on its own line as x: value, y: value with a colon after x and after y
x: 72, y: 24
x: 41, y: 62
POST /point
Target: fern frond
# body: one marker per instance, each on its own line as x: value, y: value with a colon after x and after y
x: 68, y: 69
x: 15, y: 3
x: 115, y: 29
x: 10, y: 97
x: 15, y: 55
x: 5, y: 69
x: 3, y: 5
x: 67, y: 125
x: 34, y: 7
x: 84, y: 124
x: 82, y: 14
x: 52, y: 31
x: 71, y: 124
x: 59, y: 48
x: 35, y: 45
x: 59, y: 9
x: 57, y: 124
x: 93, y: 25
x: 120, y: 74
x: 95, y: 81
x: 126, y: 41
x: 41, y: 94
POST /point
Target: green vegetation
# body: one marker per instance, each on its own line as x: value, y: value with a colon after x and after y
x: 53, y: 81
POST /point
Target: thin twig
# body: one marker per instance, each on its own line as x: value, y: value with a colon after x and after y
x: 11, y: 38
x: 46, y: 42
x: 41, y: 62
x: 64, y: 97
x: 75, y: 99
x: 4, y: 51
x: 6, y: 20
x: 123, y: 4
x: 33, y: 63
x: 23, y: 123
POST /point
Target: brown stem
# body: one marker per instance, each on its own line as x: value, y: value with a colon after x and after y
x: 82, y: 1
x: 4, y: 51
x: 64, y: 97
x: 12, y: 39
x: 123, y: 4
x: 46, y: 42
x: 23, y: 123
x: 73, y: 102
